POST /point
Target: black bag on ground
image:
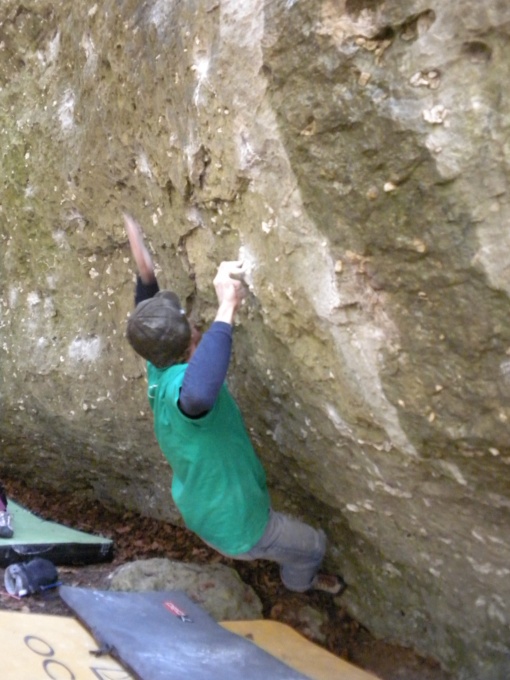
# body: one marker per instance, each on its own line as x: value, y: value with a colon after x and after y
x: 29, y: 578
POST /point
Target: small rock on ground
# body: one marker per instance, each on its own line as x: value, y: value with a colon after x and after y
x: 215, y: 587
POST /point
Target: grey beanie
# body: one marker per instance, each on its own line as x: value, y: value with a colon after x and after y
x: 158, y: 330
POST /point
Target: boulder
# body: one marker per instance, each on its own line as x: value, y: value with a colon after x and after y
x: 355, y: 154
x: 215, y: 587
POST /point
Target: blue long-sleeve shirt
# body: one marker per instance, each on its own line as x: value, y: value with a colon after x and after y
x: 207, y: 368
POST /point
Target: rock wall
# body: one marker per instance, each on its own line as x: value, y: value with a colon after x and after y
x: 355, y: 153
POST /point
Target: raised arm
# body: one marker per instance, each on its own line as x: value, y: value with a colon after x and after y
x: 140, y: 253
x: 146, y: 282
x: 207, y: 368
x: 230, y: 290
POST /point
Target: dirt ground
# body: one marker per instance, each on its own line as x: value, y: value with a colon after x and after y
x: 136, y: 538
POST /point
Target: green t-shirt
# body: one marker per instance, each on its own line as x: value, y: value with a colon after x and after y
x: 219, y: 484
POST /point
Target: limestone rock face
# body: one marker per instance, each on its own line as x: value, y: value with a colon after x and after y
x: 356, y: 154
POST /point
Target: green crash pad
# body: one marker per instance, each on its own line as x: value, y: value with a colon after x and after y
x: 36, y: 537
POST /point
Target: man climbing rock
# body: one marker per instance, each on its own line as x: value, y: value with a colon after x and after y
x: 218, y: 484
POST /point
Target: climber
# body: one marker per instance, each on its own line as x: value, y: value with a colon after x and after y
x: 218, y: 485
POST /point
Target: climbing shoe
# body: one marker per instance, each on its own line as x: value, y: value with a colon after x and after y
x: 6, y: 530
x: 329, y: 583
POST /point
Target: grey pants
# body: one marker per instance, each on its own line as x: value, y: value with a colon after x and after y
x: 297, y: 547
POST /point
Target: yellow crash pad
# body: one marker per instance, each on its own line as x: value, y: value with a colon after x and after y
x: 286, y: 644
x: 39, y: 646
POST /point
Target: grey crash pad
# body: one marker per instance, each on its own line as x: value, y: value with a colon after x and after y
x: 36, y: 537
x: 140, y: 631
